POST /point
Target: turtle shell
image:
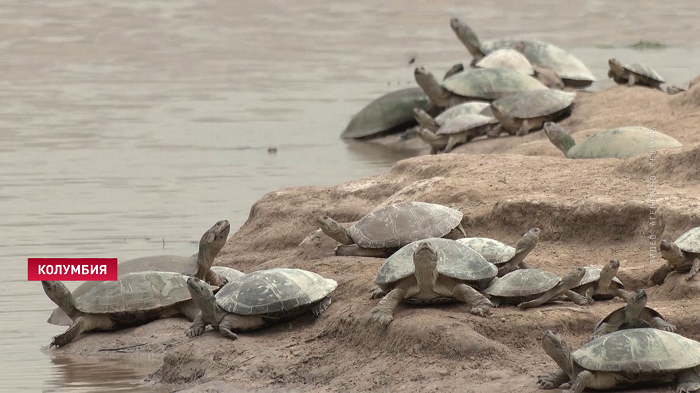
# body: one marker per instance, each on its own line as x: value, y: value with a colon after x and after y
x: 535, y: 103
x: 639, y: 350
x: 494, y: 251
x: 273, y: 290
x: 689, y: 241
x: 618, y: 316
x: 468, y: 108
x: 644, y: 70
x: 386, y: 112
x: 507, y: 58
x: 623, y: 142
x: 454, y: 260
x: 593, y: 274
x: 402, y: 223
x: 491, y: 83
x: 523, y: 282
x: 464, y: 123
x: 227, y: 272
x: 138, y: 291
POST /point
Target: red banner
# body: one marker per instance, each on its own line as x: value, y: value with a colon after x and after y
x: 72, y: 269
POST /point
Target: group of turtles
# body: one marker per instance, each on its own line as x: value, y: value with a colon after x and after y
x: 511, y: 85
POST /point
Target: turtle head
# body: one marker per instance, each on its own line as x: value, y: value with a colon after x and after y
x: 640, y: 295
x: 558, y: 136
x: 525, y: 245
x: 432, y: 88
x: 615, y: 68
x: 198, y: 288
x: 672, y: 253
x: 334, y: 230
x: 425, y: 120
x: 559, y: 351
x: 635, y: 306
x: 455, y: 69
x: 573, y: 277
x: 520, y: 46
x: 214, y: 239
x: 468, y: 38
x: 203, y: 298
x: 61, y: 296
x: 425, y: 256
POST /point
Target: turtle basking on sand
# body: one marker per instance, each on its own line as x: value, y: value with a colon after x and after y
x: 634, y: 74
x: 133, y: 299
x: 468, y: 108
x: 456, y: 131
x: 258, y: 299
x: 520, y: 113
x: 634, y: 315
x: 432, y: 271
x: 506, y: 58
x: 388, y: 228
x: 533, y: 287
x: 211, y: 242
x: 623, y: 142
x: 682, y: 256
x: 626, y: 358
x: 505, y: 257
x: 480, y: 84
x: 570, y: 69
x: 601, y: 284
x: 388, y: 113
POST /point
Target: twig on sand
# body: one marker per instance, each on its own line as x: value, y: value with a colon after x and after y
x: 120, y: 348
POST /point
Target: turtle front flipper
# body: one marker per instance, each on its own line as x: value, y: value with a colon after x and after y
x: 479, y: 304
x: 566, y: 283
x: 578, y: 299
x: 383, y: 312
x: 661, y: 324
x: 524, y: 128
x: 83, y: 323
x: 631, y: 80
x: 238, y: 322
x: 197, y: 327
x: 688, y: 381
x: 376, y: 293
x: 215, y: 279
x: 552, y: 380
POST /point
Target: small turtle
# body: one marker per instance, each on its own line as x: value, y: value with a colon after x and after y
x: 505, y: 257
x: 601, y: 284
x: 520, y: 113
x: 533, y: 287
x: 432, y: 271
x: 468, y: 108
x: 506, y: 58
x: 388, y: 113
x: 133, y: 299
x: 623, y: 142
x: 388, y: 228
x: 634, y: 315
x: 258, y: 299
x: 211, y: 242
x: 481, y: 84
x: 634, y: 73
x: 626, y: 358
x: 456, y: 131
x: 570, y: 69
x: 682, y: 256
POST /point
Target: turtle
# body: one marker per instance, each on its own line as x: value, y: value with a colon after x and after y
x: 468, y: 108
x: 211, y: 242
x: 520, y: 113
x: 682, y: 256
x: 533, y: 287
x: 505, y: 257
x: 622, y: 142
x: 228, y: 273
x: 545, y: 75
x: 570, y: 69
x: 389, y: 113
x: 626, y: 358
x: 131, y: 300
x: 259, y: 299
x: 506, y: 58
x: 433, y: 270
x: 634, y: 74
x: 456, y: 131
x: 388, y: 228
x: 635, y: 314
x: 455, y: 69
x: 479, y: 84
x: 601, y: 284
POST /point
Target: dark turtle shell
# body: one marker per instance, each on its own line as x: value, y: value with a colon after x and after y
x: 523, y: 282
x: 689, y: 241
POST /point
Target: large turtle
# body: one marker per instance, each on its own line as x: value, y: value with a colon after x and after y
x: 468, y: 108
x: 433, y: 270
x: 480, y: 84
x: 258, y: 299
x: 626, y: 358
x: 506, y: 58
x: 520, y: 113
x: 505, y: 257
x: 682, y: 256
x: 133, y: 299
x: 601, y: 284
x: 635, y: 73
x: 623, y: 142
x: 388, y: 113
x: 388, y: 228
x: 456, y: 131
x: 211, y: 242
x: 634, y: 315
x: 570, y: 69
x: 533, y: 287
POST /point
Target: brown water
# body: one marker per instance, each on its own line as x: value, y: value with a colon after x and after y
x: 130, y: 124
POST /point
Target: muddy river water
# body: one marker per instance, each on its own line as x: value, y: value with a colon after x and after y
x: 127, y: 128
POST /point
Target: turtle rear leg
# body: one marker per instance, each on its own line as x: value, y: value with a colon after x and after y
x: 83, y: 323
x: 376, y: 293
x: 479, y: 304
x: 524, y: 128
x: 579, y: 299
x: 660, y: 324
x: 694, y: 268
x: 383, y: 312
x: 357, y: 251
x: 320, y: 306
x: 631, y: 80
x: 584, y: 379
x: 688, y: 381
x: 552, y: 380
x: 494, y: 132
x: 238, y: 322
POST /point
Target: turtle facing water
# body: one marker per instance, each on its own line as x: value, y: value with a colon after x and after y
x: 634, y: 74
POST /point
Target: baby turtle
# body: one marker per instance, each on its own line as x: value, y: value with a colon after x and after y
x: 506, y: 58
x: 533, y: 287
x: 456, y: 131
x: 634, y: 357
x: 601, y: 284
x: 634, y: 73
x: 682, y: 256
x: 211, y: 242
x: 388, y: 113
x: 623, y: 142
x: 133, y: 299
x: 520, y: 113
x: 505, y: 257
x: 388, y: 228
x: 258, y: 299
x: 468, y: 108
x: 483, y: 84
x: 634, y: 315
x: 432, y: 271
